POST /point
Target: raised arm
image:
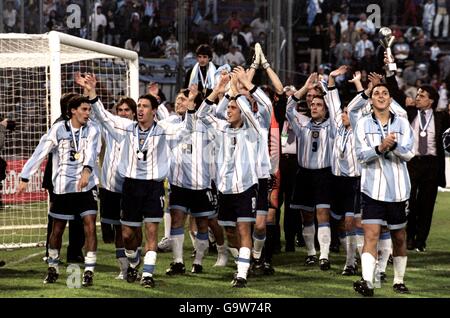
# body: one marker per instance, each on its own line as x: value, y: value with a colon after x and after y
x: 115, y: 125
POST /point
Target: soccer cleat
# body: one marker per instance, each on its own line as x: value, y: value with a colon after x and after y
x: 421, y: 249
x: 383, y: 277
x: 268, y: 269
x: 52, y: 276
x: 2, y: 263
x: 324, y: 264
x: 257, y: 267
x: 349, y: 271
x: 361, y: 287
x: 256, y: 56
x: 197, y: 268
x: 132, y: 274
x: 148, y: 282
x: 88, y: 279
x: 401, y: 288
x: 310, y: 260
x: 194, y: 252
x: 239, y: 282
x: 175, y: 269
x: 164, y: 245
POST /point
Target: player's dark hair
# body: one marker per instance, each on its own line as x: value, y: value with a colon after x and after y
x: 75, y: 102
x: 126, y: 100
x: 152, y: 99
x: 432, y: 94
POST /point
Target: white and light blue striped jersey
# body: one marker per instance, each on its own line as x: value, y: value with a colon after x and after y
x: 360, y: 106
x: 110, y: 178
x: 66, y: 168
x: 314, y: 139
x: 344, y: 162
x: 191, y: 158
x: 384, y: 177
x: 236, y: 149
x: 152, y: 144
x: 263, y: 117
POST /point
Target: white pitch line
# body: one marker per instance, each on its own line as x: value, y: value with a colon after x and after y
x: 26, y: 258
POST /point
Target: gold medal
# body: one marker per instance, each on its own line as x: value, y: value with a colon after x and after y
x: 77, y: 155
x: 140, y: 155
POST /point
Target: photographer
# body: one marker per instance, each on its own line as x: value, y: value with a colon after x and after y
x: 4, y: 125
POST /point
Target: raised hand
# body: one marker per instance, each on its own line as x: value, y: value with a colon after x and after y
x: 375, y: 78
x: 193, y: 92
x: 387, y: 142
x: 356, y: 77
x: 339, y: 71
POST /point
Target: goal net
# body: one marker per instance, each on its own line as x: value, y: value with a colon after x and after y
x: 35, y: 70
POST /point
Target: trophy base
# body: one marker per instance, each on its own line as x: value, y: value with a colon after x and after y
x: 392, y: 67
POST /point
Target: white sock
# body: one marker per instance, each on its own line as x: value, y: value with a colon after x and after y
x: 368, y: 263
x: 122, y: 259
x: 384, y: 250
x: 167, y: 223
x: 149, y: 264
x: 258, y: 244
x: 192, y: 236
x: 324, y: 237
x: 201, y: 245
x: 359, y: 240
x: 234, y: 252
x: 177, y: 241
x: 399, y: 268
x: 53, y: 258
x: 308, y: 235
x: 243, y: 262
x: 90, y: 260
x: 222, y: 255
x: 134, y: 257
x: 343, y: 241
x: 351, y: 249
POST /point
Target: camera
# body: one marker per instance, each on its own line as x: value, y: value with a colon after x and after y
x: 10, y: 124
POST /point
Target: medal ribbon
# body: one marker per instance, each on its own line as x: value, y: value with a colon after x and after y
x: 76, y: 144
x: 139, y: 148
x: 423, y: 128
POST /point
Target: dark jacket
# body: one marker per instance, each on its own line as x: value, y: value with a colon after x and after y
x: 441, y: 123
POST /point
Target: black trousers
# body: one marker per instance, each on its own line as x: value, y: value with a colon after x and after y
x: 424, y: 186
x: 292, y: 219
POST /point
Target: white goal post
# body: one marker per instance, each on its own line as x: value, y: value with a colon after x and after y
x: 35, y: 71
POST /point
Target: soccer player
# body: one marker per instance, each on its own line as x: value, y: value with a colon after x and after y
x: 111, y: 189
x: 73, y: 144
x: 203, y: 72
x: 190, y: 186
x: 384, y: 143
x: 345, y: 169
x: 313, y: 186
x: 144, y: 163
x: 236, y: 155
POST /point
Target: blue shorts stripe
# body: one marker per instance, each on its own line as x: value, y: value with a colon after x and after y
x: 152, y: 220
x: 131, y: 224
x: 88, y: 212
x: 227, y: 223
x: 61, y: 216
x: 109, y: 221
x: 396, y: 226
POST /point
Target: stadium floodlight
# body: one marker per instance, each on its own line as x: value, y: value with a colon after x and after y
x: 35, y: 70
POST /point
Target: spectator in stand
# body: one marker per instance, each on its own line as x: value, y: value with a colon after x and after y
x: 442, y: 11
x: 233, y: 21
x: 135, y: 24
x: 345, y: 59
x: 444, y: 66
x: 98, y: 23
x: 420, y: 52
x: 410, y: 12
x: 151, y: 10
x: 413, y: 33
x: 247, y: 34
x: 429, y: 11
x: 10, y: 17
x: 401, y: 50
x: 434, y: 52
x: 342, y: 46
x: 316, y: 46
x: 172, y: 43
x: 111, y: 30
x: 362, y: 45
x: 353, y: 36
x: 389, y: 11
x: 368, y: 62
x: 211, y: 10
x: 234, y: 57
x: 124, y: 16
x: 341, y: 26
x: 236, y: 39
x: 140, y: 47
x: 365, y: 25
x: 260, y: 24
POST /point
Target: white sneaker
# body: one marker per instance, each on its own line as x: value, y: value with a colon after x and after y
x: 164, y: 245
x: 222, y: 260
